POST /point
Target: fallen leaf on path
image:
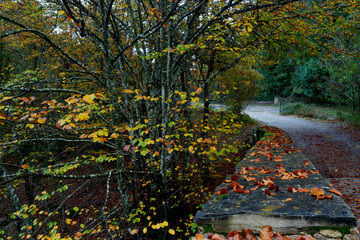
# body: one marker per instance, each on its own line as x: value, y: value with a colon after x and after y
x: 336, y: 192
x: 234, y: 177
x: 234, y: 235
x: 316, y: 191
x: 199, y: 236
x: 267, y: 192
x: 222, y: 191
x: 291, y: 189
x: 300, y: 189
x: 215, y: 237
x: 266, y: 233
x: 248, y: 234
x: 288, y: 200
x: 278, y: 236
x: 324, y: 197
x: 306, y: 163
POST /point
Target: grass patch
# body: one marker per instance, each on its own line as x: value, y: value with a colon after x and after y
x: 322, y: 112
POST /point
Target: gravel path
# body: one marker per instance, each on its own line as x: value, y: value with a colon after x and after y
x: 331, y: 147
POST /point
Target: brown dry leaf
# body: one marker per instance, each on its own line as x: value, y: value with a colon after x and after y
x: 249, y: 178
x: 266, y: 233
x: 278, y: 159
x: 254, y: 188
x: 252, y: 154
x: 316, y: 191
x: 234, y: 235
x: 336, y: 192
x: 300, y: 189
x: 306, y: 163
x: 248, y: 234
x: 313, y: 172
x: 278, y: 236
x: 199, y: 236
x: 323, y: 197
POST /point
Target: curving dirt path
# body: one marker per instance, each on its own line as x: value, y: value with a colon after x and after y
x: 333, y: 148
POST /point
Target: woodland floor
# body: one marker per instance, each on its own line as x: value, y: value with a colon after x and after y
x: 333, y: 147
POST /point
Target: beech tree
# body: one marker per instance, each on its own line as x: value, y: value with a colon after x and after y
x: 107, y: 101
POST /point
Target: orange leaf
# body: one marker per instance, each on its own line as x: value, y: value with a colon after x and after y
x: 234, y: 235
x: 78, y: 234
x: 199, y: 236
x: 134, y: 231
x: 288, y: 200
x: 300, y: 189
x: 319, y: 197
x: 278, y: 159
x: 336, y: 192
x: 252, y: 154
x: 25, y: 166
x: 266, y: 233
x: 316, y: 191
x: 306, y: 163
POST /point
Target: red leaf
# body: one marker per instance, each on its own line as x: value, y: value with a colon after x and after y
x: 267, y: 192
x: 126, y: 148
x: 222, y: 191
x: 266, y: 233
x: 234, y: 235
x: 235, y: 177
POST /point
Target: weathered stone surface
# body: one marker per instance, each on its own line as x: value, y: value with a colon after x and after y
x: 330, y: 233
x: 234, y: 211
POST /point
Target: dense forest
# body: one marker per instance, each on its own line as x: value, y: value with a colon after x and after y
x: 106, y: 130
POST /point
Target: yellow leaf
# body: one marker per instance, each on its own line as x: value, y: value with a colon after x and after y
x: 68, y: 221
x: 172, y: 231
x: 89, y: 98
x: 145, y: 230
x: 41, y: 120
x: 29, y: 227
x: 61, y: 13
x: 83, y: 117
